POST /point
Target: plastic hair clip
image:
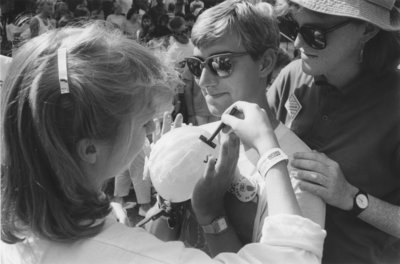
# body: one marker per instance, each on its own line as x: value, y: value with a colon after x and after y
x: 62, y: 70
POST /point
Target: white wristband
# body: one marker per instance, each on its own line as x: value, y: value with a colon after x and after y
x: 269, y: 159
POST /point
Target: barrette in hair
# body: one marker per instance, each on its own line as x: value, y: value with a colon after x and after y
x: 62, y: 70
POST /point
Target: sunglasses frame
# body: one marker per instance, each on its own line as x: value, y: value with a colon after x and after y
x: 312, y: 29
x: 323, y: 33
x: 206, y: 61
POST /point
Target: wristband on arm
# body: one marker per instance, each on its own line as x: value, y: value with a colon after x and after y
x: 270, y: 159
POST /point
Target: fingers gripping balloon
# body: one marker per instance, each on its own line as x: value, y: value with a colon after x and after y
x: 177, y: 161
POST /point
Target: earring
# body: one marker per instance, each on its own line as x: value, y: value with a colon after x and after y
x: 361, y: 54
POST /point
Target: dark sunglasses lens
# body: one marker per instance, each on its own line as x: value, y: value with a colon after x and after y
x: 194, y: 66
x: 221, y: 66
x: 313, y: 37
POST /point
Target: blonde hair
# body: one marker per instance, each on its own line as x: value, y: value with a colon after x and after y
x: 111, y: 80
x: 254, y: 24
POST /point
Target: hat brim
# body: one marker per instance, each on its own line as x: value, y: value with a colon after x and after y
x: 385, y: 19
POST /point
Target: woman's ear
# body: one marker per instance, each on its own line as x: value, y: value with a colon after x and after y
x: 370, y: 31
x: 267, y: 62
x: 87, y: 150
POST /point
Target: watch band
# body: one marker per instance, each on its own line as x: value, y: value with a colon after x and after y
x: 217, y: 226
x: 360, y: 202
x: 269, y: 159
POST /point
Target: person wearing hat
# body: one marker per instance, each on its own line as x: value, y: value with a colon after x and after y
x: 343, y: 99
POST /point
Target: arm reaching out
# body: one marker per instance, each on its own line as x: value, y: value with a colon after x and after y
x: 255, y: 130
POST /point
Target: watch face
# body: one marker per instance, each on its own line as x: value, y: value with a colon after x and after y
x: 362, y: 201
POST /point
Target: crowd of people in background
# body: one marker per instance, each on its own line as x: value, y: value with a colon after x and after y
x: 162, y: 26
x: 307, y: 78
x: 125, y: 15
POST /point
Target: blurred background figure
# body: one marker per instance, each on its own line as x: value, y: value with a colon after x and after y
x: 132, y: 23
x: 108, y: 7
x: 134, y: 176
x: 180, y: 45
x: 196, y: 6
x: 42, y: 22
x: 162, y: 29
x: 96, y: 10
x: 282, y: 59
x: 146, y: 32
x: 62, y: 14
x: 117, y: 18
x: 158, y: 10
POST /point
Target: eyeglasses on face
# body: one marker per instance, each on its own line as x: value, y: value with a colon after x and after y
x: 220, y: 65
x: 314, y: 36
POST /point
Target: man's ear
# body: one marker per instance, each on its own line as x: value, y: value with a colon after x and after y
x: 87, y: 150
x: 267, y: 62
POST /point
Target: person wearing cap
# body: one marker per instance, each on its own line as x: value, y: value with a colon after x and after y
x: 231, y: 63
x: 343, y: 99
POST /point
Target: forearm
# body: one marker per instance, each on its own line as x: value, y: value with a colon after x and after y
x: 382, y: 215
x: 280, y: 195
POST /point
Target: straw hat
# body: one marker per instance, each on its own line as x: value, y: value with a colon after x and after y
x: 177, y: 162
x: 382, y: 13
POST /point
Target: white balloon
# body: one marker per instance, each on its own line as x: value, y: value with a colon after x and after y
x: 177, y: 161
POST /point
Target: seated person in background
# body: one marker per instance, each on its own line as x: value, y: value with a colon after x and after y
x: 231, y: 63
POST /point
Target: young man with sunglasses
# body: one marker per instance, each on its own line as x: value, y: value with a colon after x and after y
x: 343, y: 99
x: 235, y: 51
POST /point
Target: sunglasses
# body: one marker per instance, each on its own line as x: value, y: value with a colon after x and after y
x: 220, y: 64
x: 314, y: 36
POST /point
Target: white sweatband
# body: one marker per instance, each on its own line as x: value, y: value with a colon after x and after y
x: 269, y: 159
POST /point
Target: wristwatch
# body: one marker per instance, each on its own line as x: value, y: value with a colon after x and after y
x: 360, y: 202
x: 217, y: 226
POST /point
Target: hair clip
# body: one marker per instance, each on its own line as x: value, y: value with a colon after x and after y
x: 62, y: 70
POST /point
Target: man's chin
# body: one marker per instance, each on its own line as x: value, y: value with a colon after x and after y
x: 215, y: 111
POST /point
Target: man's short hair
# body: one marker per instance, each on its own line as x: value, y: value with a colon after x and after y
x: 253, y: 23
